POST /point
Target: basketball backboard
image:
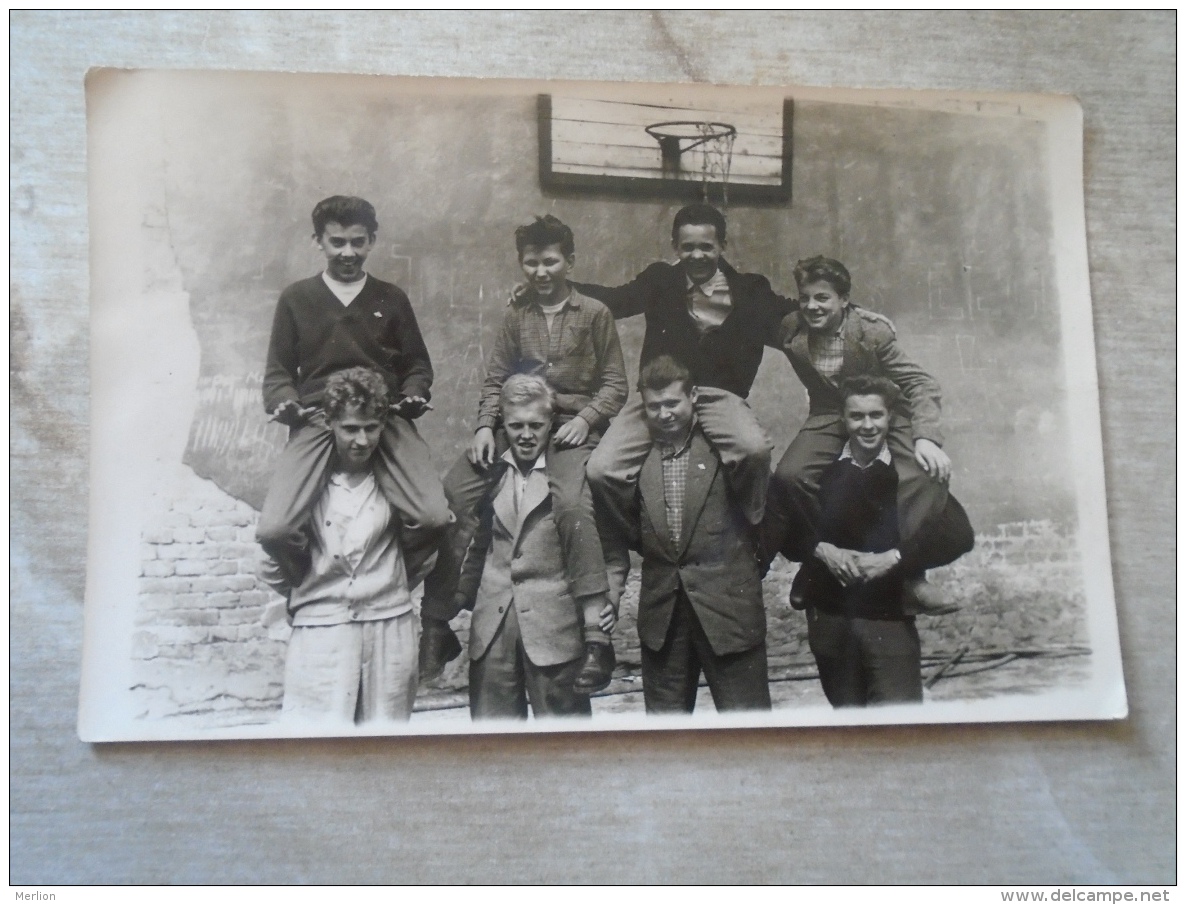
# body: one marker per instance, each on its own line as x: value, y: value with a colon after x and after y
x: 603, y: 145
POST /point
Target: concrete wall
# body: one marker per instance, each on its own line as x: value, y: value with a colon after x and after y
x: 941, y: 218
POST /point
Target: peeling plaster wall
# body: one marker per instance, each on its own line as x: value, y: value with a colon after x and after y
x: 941, y: 217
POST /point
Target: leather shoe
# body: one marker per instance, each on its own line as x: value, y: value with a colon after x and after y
x: 438, y: 645
x: 921, y: 598
x: 798, y: 596
x: 597, y: 669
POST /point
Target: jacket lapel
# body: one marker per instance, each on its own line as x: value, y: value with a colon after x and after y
x: 855, y: 353
x: 702, y: 468
x: 797, y: 347
x: 504, y: 503
x: 650, y: 485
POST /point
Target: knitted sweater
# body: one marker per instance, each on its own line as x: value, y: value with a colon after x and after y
x: 314, y: 334
x: 858, y: 510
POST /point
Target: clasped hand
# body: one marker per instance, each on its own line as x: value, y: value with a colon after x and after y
x: 850, y: 567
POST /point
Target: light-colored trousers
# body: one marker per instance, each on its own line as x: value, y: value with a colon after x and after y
x: 354, y: 672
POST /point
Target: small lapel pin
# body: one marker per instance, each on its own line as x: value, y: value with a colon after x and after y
x: 700, y: 465
x: 378, y: 314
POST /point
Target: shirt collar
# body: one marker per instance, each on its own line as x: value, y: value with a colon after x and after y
x: 338, y: 479
x: 330, y: 281
x: 715, y: 283
x: 554, y: 308
x: 883, y: 455
x: 667, y: 451
x: 540, y: 463
x: 529, y: 298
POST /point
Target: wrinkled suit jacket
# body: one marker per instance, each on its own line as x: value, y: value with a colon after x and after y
x: 519, y: 561
x: 714, y: 564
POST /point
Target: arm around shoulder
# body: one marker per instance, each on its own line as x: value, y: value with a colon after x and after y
x: 630, y: 298
x: 773, y: 309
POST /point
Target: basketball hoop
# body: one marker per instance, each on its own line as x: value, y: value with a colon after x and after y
x: 678, y: 137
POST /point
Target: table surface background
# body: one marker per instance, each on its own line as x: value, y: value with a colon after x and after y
x: 1061, y: 803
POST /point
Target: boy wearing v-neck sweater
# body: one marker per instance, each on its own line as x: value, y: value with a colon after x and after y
x: 345, y: 318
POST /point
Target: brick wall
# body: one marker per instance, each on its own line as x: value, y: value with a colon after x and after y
x: 210, y: 636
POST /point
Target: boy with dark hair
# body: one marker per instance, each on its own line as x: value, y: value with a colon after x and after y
x: 554, y: 332
x: 339, y: 319
x: 716, y: 322
x: 700, y: 607
x: 855, y: 559
x: 826, y: 341
x: 352, y: 653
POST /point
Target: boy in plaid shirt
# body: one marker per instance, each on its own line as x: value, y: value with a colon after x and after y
x: 570, y: 340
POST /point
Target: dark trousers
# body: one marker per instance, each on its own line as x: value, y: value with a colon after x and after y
x: 795, y: 482
x: 866, y: 661
x: 503, y: 681
x: 403, y: 468
x: 671, y: 675
x: 572, y: 510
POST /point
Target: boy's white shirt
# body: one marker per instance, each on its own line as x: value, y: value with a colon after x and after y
x: 883, y: 455
x: 345, y: 292
x: 550, y: 311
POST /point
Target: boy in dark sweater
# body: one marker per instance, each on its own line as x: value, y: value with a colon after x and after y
x: 345, y: 318
x: 865, y: 645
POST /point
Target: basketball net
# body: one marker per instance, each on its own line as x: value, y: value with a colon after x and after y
x: 716, y: 157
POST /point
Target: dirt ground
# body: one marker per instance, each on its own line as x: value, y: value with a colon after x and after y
x: 1021, y: 676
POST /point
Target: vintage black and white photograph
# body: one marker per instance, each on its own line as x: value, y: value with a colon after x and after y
x: 436, y: 406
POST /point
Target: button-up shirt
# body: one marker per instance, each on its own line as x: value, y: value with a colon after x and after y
x: 827, y: 352
x: 883, y: 455
x: 709, y: 302
x: 675, y: 483
x: 357, y: 572
x: 580, y: 357
x: 517, y: 483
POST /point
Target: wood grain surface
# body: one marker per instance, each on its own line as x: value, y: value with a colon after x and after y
x: 1063, y: 803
